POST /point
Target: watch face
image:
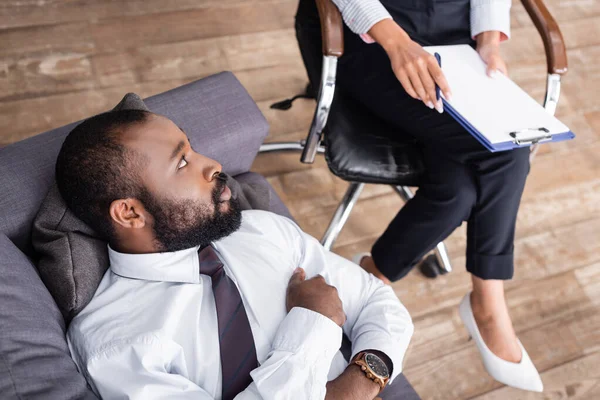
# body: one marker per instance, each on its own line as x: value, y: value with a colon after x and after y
x: 377, y: 365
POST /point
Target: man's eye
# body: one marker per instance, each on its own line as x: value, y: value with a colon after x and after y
x: 182, y: 163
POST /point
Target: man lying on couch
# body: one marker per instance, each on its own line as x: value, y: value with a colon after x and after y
x: 204, y: 301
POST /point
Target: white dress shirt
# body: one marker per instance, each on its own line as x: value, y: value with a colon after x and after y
x: 151, y: 332
x: 486, y: 15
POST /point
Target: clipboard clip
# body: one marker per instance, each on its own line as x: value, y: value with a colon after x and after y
x: 531, y: 136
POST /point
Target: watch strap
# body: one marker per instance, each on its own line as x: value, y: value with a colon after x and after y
x: 359, y: 360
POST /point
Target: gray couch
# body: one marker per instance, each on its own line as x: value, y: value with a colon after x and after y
x: 223, y: 123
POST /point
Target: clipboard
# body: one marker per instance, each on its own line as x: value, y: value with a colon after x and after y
x: 496, y: 111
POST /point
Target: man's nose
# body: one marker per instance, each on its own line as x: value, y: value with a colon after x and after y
x: 211, y: 169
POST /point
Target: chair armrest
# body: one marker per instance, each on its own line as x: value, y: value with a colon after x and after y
x: 332, y: 28
x: 556, y: 52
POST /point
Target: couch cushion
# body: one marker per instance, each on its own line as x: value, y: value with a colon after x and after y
x: 218, y: 115
x: 34, y: 358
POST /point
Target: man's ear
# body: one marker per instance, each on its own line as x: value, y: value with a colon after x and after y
x: 128, y: 213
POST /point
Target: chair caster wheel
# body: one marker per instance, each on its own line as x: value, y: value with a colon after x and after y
x: 430, y: 267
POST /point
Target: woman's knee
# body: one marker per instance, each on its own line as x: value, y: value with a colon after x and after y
x: 465, y: 193
x: 456, y: 191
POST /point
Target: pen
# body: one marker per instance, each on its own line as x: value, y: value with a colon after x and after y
x: 437, y: 88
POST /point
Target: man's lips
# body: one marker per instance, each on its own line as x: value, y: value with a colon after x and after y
x: 225, y: 194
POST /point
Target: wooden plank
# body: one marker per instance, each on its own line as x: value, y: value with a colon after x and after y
x: 275, y: 83
x: 207, y: 56
x: 199, y: 58
x: 551, y: 171
x: 69, y: 38
x: 29, y: 76
x: 296, y: 119
x: 593, y: 121
x: 575, y: 380
x: 561, y: 10
x: 61, y: 73
x: 20, y: 13
x: 180, y: 26
x: 24, y: 118
x: 589, y: 278
x: 526, y: 42
x: 583, y: 79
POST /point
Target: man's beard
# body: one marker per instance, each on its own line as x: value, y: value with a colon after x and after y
x: 182, y: 225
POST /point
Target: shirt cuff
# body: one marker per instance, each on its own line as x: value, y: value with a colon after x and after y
x: 376, y: 341
x: 313, y: 334
x: 360, y: 16
x: 490, y: 15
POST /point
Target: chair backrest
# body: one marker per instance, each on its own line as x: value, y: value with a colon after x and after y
x: 218, y: 115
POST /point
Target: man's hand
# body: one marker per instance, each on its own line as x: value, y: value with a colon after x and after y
x: 416, y: 69
x: 352, y: 384
x: 316, y: 295
x: 488, y: 47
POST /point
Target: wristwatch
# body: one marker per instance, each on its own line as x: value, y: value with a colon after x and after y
x: 373, y: 367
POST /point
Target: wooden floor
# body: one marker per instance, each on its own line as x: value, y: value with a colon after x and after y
x: 63, y: 60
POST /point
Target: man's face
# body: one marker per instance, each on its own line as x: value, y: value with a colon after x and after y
x: 185, y: 192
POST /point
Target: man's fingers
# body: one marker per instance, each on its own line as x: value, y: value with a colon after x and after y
x: 298, y: 276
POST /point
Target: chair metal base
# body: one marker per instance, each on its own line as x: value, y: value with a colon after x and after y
x: 341, y: 214
x: 286, y: 146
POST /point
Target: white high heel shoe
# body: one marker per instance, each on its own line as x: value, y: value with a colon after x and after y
x: 522, y: 375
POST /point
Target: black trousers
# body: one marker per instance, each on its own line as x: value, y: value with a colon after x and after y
x: 463, y: 180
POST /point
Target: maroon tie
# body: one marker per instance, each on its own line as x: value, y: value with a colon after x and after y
x: 238, y: 354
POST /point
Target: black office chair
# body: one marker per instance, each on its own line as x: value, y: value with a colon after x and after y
x: 356, y: 143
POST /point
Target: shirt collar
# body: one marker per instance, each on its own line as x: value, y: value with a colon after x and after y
x: 178, y: 266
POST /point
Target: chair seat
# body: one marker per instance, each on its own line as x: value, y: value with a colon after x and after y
x: 360, y: 147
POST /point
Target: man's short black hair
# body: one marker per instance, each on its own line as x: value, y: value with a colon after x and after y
x: 94, y: 168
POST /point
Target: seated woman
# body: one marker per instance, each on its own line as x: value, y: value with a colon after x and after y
x: 395, y: 79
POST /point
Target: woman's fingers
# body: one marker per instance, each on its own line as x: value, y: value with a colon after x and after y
x: 439, y: 78
x: 406, y: 83
x: 495, y: 64
x: 415, y: 79
x: 429, y: 85
x: 418, y: 72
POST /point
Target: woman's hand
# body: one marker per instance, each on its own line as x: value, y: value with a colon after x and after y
x: 488, y: 47
x: 416, y: 69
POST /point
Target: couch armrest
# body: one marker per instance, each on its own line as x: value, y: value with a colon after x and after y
x: 332, y: 28
x: 556, y: 52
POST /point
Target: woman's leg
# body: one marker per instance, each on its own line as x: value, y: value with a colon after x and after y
x: 445, y: 198
x: 493, y: 320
